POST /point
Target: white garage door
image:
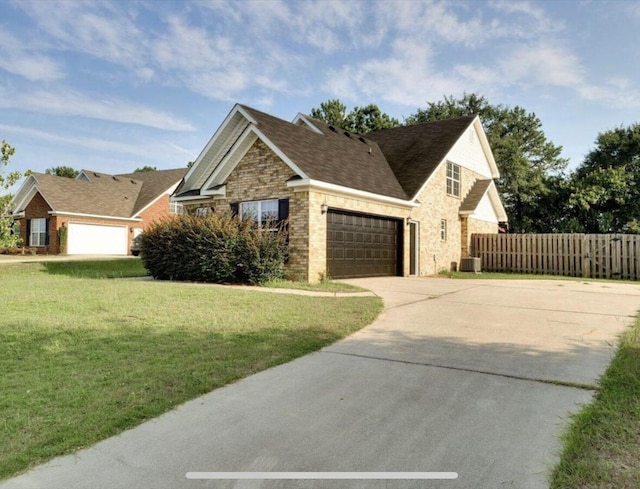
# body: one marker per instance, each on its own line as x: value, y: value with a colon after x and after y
x: 94, y: 239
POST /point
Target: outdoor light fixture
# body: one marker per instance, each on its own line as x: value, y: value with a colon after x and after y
x: 324, y: 208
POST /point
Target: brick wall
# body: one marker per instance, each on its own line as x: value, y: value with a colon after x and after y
x: 156, y: 211
x: 262, y: 175
x: 437, y: 254
x: 39, y: 209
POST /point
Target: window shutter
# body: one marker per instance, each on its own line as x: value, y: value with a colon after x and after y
x: 235, y: 209
x: 283, y: 209
x: 28, y: 235
x: 46, y: 231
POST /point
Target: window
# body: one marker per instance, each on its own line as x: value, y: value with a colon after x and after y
x: 38, y: 233
x: 175, y: 208
x: 443, y: 229
x: 453, y: 179
x: 261, y: 211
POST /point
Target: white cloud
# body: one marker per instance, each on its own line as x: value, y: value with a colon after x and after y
x: 102, y: 30
x: 20, y: 59
x: 405, y: 77
x: 208, y: 64
x: 71, y: 103
x: 542, y: 64
x: 145, y: 149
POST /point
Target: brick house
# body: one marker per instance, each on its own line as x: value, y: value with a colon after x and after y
x: 100, y: 213
x: 401, y: 201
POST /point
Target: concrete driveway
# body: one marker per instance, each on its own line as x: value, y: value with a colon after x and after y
x: 475, y: 377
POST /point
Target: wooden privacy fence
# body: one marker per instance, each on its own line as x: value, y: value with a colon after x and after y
x: 576, y: 255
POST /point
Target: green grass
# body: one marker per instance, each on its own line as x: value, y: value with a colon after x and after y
x: 601, y: 448
x: 323, y: 286
x: 84, y: 358
x: 524, y: 276
x: 115, y: 268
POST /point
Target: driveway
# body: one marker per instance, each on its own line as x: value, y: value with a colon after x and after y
x: 475, y: 377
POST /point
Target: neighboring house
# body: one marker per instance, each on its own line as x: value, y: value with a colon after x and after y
x: 101, y: 213
x: 401, y: 201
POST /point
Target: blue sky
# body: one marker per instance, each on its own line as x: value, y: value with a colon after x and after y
x: 111, y: 86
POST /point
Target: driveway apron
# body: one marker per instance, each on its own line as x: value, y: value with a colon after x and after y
x: 475, y: 377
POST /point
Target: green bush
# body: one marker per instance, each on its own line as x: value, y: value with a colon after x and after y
x: 213, y: 249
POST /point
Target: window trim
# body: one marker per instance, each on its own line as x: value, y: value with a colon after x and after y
x: 443, y: 229
x: 176, y: 207
x: 40, y: 234
x: 258, y: 217
x: 453, y: 179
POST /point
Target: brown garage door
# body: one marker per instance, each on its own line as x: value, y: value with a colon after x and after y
x: 361, y: 245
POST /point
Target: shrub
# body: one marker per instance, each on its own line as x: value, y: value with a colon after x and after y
x: 213, y: 249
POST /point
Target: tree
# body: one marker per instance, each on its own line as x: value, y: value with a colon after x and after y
x: 332, y: 112
x: 606, y: 186
x: 62, y: 171
x: 7, y: 238
x: 360, y: 120
x: 527, y: 161
x: 145, y: 169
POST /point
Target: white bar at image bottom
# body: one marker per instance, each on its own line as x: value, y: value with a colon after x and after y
x: 322, y: 475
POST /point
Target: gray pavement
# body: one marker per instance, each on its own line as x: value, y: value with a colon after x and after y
x: 469, y: 376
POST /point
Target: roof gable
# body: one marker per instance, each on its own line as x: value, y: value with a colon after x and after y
x: 95, y: 193
x: 395, y: 163
x: 484, y: 194
x: 331, y: 155
x: 154, y: 185
x: 414, y: 152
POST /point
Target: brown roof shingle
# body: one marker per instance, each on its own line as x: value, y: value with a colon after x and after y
x: 474, y: 196
x: 106, y: 195
x: 414, y: 152
x: 333, y: 156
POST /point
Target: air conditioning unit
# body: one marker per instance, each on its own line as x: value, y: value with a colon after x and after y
x: 470, y: 264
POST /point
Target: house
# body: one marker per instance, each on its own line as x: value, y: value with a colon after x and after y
x: 401, y: 201
x: 95, y: 213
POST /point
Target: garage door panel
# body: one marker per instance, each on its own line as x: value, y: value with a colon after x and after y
x: 95, y: 239
x: 361, y: 245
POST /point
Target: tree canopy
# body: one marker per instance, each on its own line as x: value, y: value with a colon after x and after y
x: 7, y: 238
x: 527, y: 161
x: 529, y: 164
x: 144, y: 169
x: 360, y: 120
x: 62, y: 171
x: 605, y: 194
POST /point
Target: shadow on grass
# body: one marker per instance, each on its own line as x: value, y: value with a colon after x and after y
x: 98, y: 269
x: 99, y: 382
x: 137, y: 373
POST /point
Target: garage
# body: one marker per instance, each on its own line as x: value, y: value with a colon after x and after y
x: 362, y: 245
x: 97, y: 239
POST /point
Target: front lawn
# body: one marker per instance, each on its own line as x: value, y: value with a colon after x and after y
x: 85, y: 358
x: 602, y: 445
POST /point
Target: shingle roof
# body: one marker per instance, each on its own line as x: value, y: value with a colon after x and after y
x: 414, y: 152
x: 154, y: 183
x: 332, y: 156
x: 105, y: 195
x: 391, y: 162
x: 475, y: 195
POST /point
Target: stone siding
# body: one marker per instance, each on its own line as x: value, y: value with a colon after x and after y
x: 437, y: 254
x: 262, y: 175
